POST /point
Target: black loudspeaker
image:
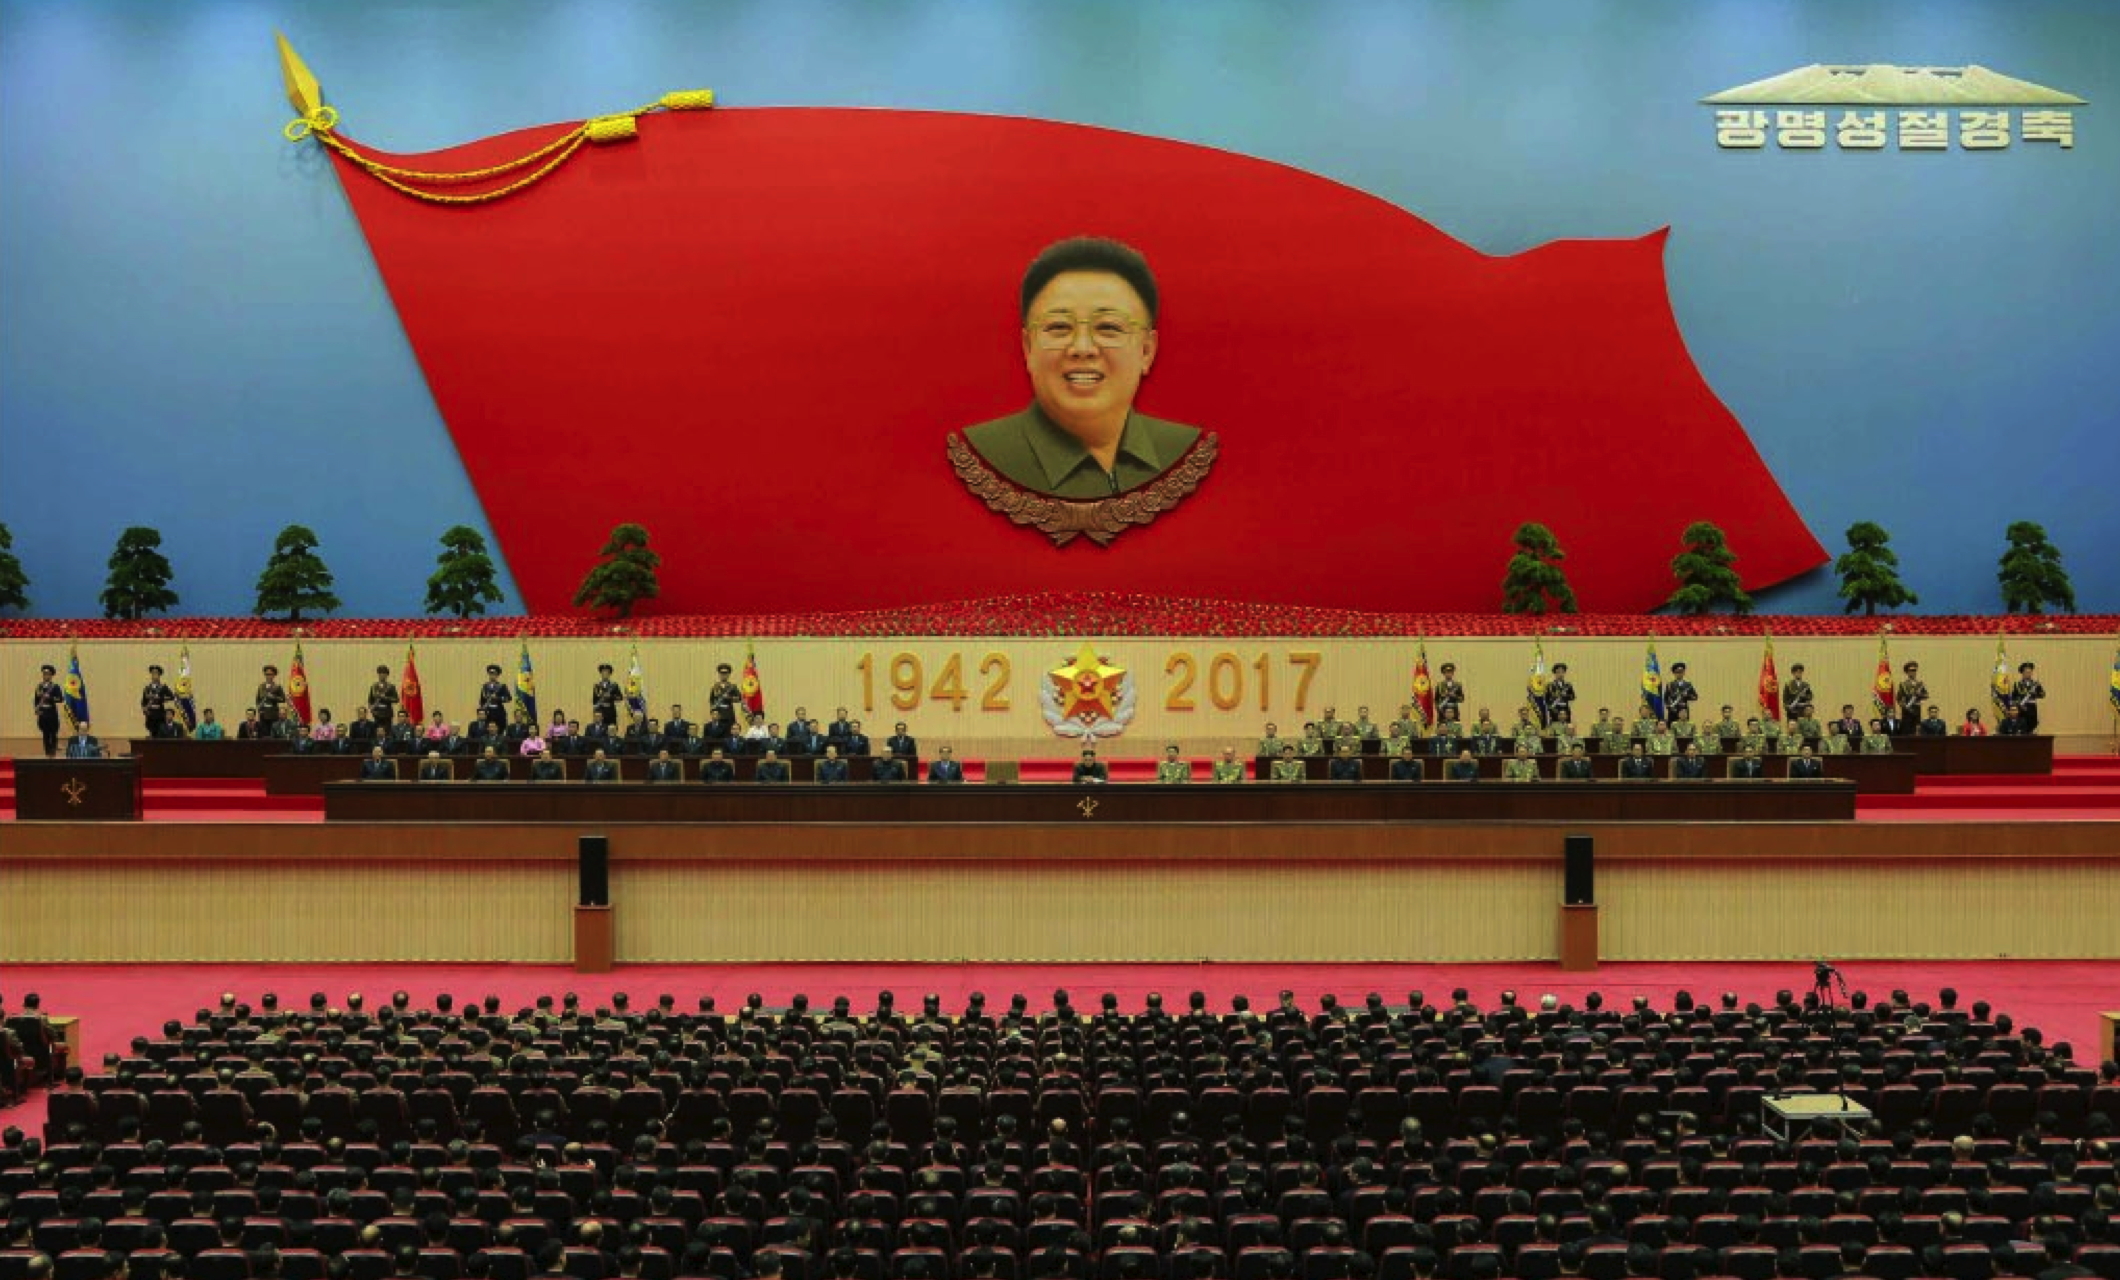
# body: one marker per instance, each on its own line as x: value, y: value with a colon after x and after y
x: 1581, y: 886
x: 596, y: 871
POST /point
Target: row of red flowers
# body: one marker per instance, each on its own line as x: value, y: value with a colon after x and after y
x: 1053, y: 614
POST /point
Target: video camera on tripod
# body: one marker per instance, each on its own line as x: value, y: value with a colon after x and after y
x: 1825, y: 981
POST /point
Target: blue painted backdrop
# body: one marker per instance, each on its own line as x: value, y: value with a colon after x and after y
x: 193, y: 335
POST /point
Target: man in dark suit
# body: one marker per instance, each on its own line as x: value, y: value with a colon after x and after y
x: 803, y: 739
x: 887, y: 767
x: 831, y: 769
x: 1847, y: 722
x: 1933, y: 725
x: 1576, y: 768
x: 434, y: 768
x: 1690, y: 767
x: 600, y: 768
x: 1346, y: 766
x: 1089, y: 770
x: 1637, y: 767
x: 490, y: 767
x: 1807, y: 765
x: 901, y: 743
x: 360, y: 732
x: 547, y: 769
x: 945, y: 768
x: 717, y: 767
x: 1748, y: 765
x: 305, y: 744
x: 663, y: 769
x: 1464, y: 768
x: 856, y: 742
x: 377, y: 767
x: 1406, y: 768
x: 771, y: 769
x: 83, y: 745
x: 677, y: 726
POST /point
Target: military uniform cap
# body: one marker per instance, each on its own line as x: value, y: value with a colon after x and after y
x: 493, y: 668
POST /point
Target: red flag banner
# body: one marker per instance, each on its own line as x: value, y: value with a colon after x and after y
x: 298, y: 689
x: 409, y: 695
x: 1882, y: 695
x: 1423, y: 689
x: 1769, y: 685
x: 754, y: 694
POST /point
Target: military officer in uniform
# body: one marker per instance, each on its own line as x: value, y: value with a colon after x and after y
x: 1444, y: 742
x: 1528, y: 731
x: 1754, y: 738
x: 831, y: 769
x: 1449, y: 694
x: 1464, y: 768
x: 1576, y: 768
x: 493, y: 699
x: 1682, y: 726
x: 1913, y: 693
x: 1520, y: 767
x: 377, y: 767
x: 1727, y: 727
x: 885, y: 768
x: 1645, y: 721
x: 664, y: 769
x: 944, y: 768
x: 604, y: 696
x: 1807, y: 765
x: 155, y: 698
x: 1089, y: 770
x: 1806, y: 726
x: 1485, y: 741
x: 1346, y: 766
x: 2026, y: 694
x: 1288, y: 768
x: 546, y: 769
x: 489, y: 767
x: 1661, y: 741
x: 1329, y: 727
x: 1408, y: 725
x: 1365, y: 728
x: 1836, y: 742
x: 1637, y: 767
x: 1401, y: 741
x: 717, y: 767
x: 1680, y: 691
x: 382, y: 697
x: 1405, y: 766
x: 1229, y: 769
x: 1616, y: 739
x: 1170, y: 768
x: 45, y: 700
x: 1560, y: 696
x: 272, y: 703
x: 1796, y: 695
x: 1270, y: 745
x: 1787, y: 738
x: 434, y: 768
x: 1349, y: 738
x: 1748, y: 765
x: 723, y: 696
x: 1692, y: 766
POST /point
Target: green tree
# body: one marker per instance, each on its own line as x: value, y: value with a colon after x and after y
x: 14, y: 584
x: 1705, y: 578
x: 627, y: 575
x: 139, y: 576
x: 1535, y: 583
x: 295, y: 577
x: 2031, y: 573
x: 464, y: 580
x: 1869, y: 572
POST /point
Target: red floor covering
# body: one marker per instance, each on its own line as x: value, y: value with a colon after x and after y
x: 117, y: 1002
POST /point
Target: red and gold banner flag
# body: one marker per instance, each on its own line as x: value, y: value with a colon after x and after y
x: 298, y: 688
x: 409, y: 696
x: 1769, y: 685
x: 1882, y: 695
x: 1423, y: 688
x: 754, y: 694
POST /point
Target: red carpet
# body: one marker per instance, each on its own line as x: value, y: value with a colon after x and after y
x: 117, y: 1002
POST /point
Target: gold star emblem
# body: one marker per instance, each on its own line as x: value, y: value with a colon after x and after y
x: 1088, y: 807
x: 1088, y: 686
x: 74, y: 789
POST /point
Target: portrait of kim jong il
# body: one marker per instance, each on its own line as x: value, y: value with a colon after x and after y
x: 1088, y: 310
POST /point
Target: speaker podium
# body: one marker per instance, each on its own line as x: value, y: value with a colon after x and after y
x: 1578, y: 922
x: 592, y: 917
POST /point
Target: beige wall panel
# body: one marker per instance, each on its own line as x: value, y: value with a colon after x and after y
x: 824, y: 674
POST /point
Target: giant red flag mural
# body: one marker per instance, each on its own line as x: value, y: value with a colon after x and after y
x: 754, y: 331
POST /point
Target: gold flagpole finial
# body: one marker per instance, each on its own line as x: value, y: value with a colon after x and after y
x: 303, y: 93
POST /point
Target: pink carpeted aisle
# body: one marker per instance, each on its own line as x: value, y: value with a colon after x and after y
x: 117, y: 1002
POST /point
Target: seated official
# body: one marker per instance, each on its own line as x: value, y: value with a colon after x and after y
x: 1932, y: 725
x: 1616, y: 740
x: 642, y: 738
x: 771, y: 768
x: 1090, y: 771
x: 1878, y: 741
x: 887, y: 768
x: 804, y: 740
x: 804, y: 722
x: 1727, y: 727
x: 1485, y: 742
x: 1807, y: 764
x: 547, y: 769
x: 856, y: 743
x: 1637, y: 767
x: 665, y: 769
x: 377, y: 767
x: 1835, y: 743
x: 945, y: 768
x: 1973, y: 727
x: 209, y: 728
x: 306, y: 744
x: 490, y: 767
x: 324, y: 730
x: 360, y: 729
x: 717, y: 767
x: 1229, y: 769
x: 600, y: 768
x: 404, y: 737
x: 1406, y: 767
x: 84, y: 745
x: 1365, y: 729
x: 901, y: 743
x: 1846, y: 724
x: 1521, y: 767
x: 1445, y: 743
x: 1289, y: 768
x: 1690, y: 767
x: 1464, y: 768
x: 1270, y: 744
x: 251, y: 727
x: 1312, y: 742
x: 533, y: 746
x: 1170, y: 768
x: 1576, y: 768
x: 832, y: 768
x: 435, y: 769
x: 1749, y: 765
x: 1346, y: 766
x: 1889, y: 724
x: 841, y: 728
x: 676, y: 726
x: 2013, y: 724
x: 1660, y: 741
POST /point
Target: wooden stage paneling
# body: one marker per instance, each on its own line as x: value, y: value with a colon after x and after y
x: 1089, y: 806
x: 910, y: 891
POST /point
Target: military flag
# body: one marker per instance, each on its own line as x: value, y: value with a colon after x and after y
x: 1423, y: 688
x: 2000, y: 687
x: 1882, y: 695
x: 525, y: 689
x: 187, y: 700
x: 1769, y: 685
x: 409, y: 696
x: 1535, y: 685
x: 754, y: 694
x: 2114, y: 690
x: 73, y: 691
x: 1653, y: 683
x: 636, y: 689
x: 298, y: 688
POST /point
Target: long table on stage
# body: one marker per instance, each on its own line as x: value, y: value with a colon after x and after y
x: 2031, y: 753
x: 305, y: 775
x: 578, y: 802
x: 1871, y: 774
x: 230, y: 757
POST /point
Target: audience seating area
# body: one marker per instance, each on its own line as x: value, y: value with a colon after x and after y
x: 1366, y: 1141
